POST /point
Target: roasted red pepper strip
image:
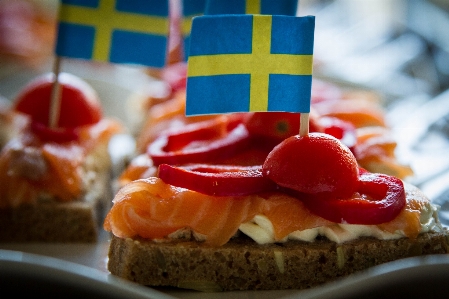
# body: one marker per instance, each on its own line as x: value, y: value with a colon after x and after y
x: 380, y: 198
x: 217, y: 180
x: 48, y: 134
x: 340, y: 129
x: 201, y: 142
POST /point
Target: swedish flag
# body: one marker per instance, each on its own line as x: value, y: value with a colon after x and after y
x: 263, y: 7
x: 190, y: 9
x: 118, y: 31
x: 241, y: 63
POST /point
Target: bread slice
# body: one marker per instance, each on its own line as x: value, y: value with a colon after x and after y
x: 242, y: 264
x: 51, y: 221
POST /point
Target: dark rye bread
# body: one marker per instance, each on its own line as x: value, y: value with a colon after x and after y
x: 51, y: 222
x: 48, y: 220
x: 242, y: 264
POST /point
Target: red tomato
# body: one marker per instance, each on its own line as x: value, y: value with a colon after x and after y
x: 79, y: 103
x: 315, y: 163
x: 277, y: 125
x: 79, y: 106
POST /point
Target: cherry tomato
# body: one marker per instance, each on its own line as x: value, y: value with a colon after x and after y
x: 277, y: 125
x: 317, y: 163
x: 379, y: 199
x: 79, y: 105
x: 217, y: 180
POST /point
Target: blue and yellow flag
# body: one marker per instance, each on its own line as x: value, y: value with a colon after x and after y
x: 118, y: 31
x: 190, y: 9
x: 261, y: 7
x: 241, y: 63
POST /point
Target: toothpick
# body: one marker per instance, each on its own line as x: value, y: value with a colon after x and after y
x: 304, y: 124
x: 55, y: 101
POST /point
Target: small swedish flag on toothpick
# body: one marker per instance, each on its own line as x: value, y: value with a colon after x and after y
x: 244, y: 63
x: 116, y: 31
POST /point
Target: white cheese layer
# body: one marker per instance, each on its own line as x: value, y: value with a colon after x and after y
x: 261, y: 230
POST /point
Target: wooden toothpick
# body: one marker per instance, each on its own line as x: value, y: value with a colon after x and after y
x: 304, y: 124
x: 55, y: 101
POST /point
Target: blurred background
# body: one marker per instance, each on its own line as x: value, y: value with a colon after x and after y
x: 399, y: 48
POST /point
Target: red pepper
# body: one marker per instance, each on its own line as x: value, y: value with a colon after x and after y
x: 217, y: 180
x: 380, y: 198
x: 48, y: 134
x: 201, y: 142
x: 340, y: 129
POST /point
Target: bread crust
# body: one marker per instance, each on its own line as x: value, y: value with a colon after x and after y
x: 242, y: 264
x: 78, y: 221
x: 50, y: 222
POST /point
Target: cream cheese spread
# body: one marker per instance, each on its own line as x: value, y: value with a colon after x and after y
x: 261, y: 230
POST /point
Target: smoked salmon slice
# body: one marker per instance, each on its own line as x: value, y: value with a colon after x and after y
x: 29, y: 167
x: 375, y: 151
x: 288, y: 214
x: 152, y: 209
x: 408, y: 221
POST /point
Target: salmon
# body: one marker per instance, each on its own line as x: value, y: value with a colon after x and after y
x: 29, y: 167
x: 63, y: 178
x: 408, y: 220
x: 140, y: 167
x: 375, y: 151
x: 152, y: 209
x: 362, y: 108
x: 359, y: 113
x: 288, y: 214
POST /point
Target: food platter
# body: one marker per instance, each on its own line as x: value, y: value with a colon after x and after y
x: 82, y: 268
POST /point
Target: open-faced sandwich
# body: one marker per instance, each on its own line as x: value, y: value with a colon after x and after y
x: 240, y: 201
x: 55, y: 179
x: 231, y: 203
